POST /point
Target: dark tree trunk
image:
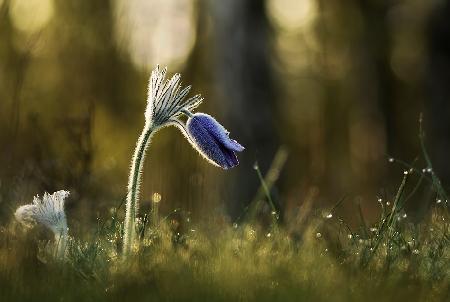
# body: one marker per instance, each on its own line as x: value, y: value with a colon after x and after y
x: 246, y: 89
x: 437, y: 115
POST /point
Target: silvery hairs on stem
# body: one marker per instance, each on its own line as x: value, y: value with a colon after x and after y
x: 48, y: 211
x: 165, y: 103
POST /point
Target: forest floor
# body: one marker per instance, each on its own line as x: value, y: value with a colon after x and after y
x: 262, y: 257
x: 318, y: 259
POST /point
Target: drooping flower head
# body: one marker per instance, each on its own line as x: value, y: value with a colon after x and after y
x: 48, y: 211
x: 166, y: 100
x: 212, y: 140
x: 165, y: 103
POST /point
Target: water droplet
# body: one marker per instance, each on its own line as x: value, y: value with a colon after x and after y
x: 255, y: 166
x: 373, y: 230
x: 268, y: 235
x: 391, y: 160
x: 156, y: 197
x: 329, y: 216
x: 429, y: 170
x: 273, y: 213
x: 404, y: 215
x: 405, y: 172
x: 416, y: 252
x: 388, y: 203
x: 318, y: 235
x: 438, y: 201
x: 235, y: 225
x: 349, y: 236
x: 380, y: 200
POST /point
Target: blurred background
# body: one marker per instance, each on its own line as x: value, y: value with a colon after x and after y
x: 340, y: 85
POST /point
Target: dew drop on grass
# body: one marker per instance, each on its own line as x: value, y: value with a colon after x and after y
x: 349, y: 236
x: 235, y: 225
x: 416, y: 252
x: 438, y: 201
x: 268, y: 235
x: 391, y: 160
x: 156, y: 197
x: 318, y: 235
x: 329, y: 216
x: 429, y: 170
x: 373, y: 230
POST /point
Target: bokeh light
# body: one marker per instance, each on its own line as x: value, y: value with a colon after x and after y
x: 30, y: 16
x: 292, y: 14
x: 145, y: 30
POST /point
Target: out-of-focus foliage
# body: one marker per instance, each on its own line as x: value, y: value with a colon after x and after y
x: 340, y: 84
x: 177, y: 260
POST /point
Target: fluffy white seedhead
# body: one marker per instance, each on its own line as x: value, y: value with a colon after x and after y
x: 48, y: 211
x: 166, y: 100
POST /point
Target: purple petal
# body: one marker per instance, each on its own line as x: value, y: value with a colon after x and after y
x: 212, y: 140
x: 218, y: 131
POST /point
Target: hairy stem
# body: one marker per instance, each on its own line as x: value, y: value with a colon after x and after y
x: 61, y: 243
x: 134, y: 181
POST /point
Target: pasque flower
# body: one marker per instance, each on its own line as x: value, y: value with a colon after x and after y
x: 165, y: 103
x: 48, y: 211
x: 212, y: 140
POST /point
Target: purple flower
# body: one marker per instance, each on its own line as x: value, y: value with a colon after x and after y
x: 212, y: 140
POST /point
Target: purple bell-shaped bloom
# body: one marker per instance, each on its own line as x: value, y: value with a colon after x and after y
x: 212, y: 140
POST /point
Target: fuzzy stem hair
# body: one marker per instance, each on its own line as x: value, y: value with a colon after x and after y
x: 134, y: 182
x: 61, y: 243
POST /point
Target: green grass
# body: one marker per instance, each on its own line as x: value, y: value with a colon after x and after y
x: 309, y: 258
x: 321, y: 259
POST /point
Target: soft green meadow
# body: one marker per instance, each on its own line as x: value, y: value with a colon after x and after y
x: 311, y: 255
x: 318, y: 257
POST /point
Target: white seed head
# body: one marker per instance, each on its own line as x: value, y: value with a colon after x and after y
x: 48, y: 211
x: 166, y: 100
x: 25, y: 214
